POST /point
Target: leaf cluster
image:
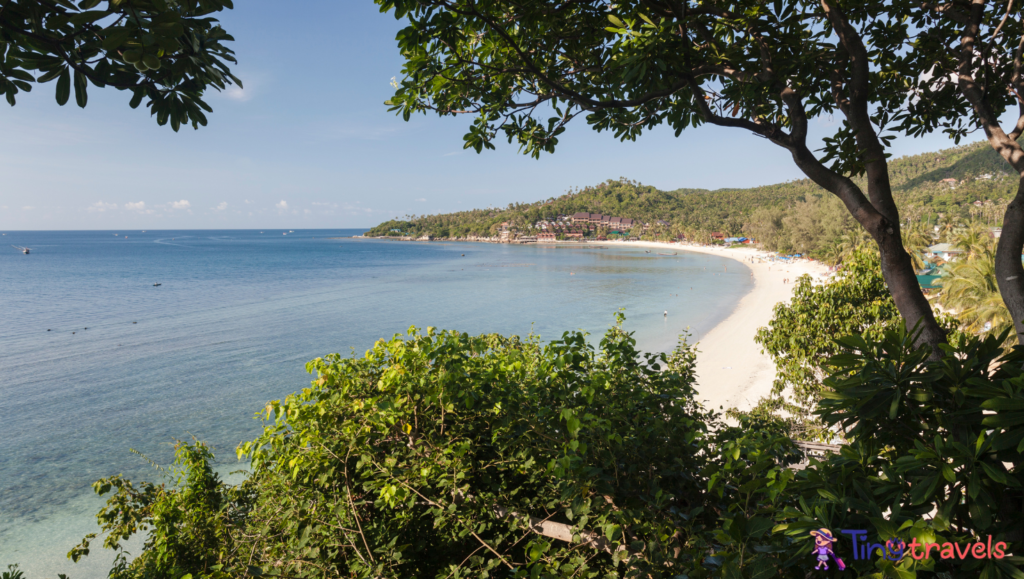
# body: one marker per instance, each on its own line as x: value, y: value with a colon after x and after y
x: 167, y: 52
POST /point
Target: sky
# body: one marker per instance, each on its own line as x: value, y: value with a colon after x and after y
x: 308, y: 143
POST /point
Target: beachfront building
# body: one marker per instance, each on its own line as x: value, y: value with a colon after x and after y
x: 946, y: 251
x: 546, y: 236
x: 595, y: 220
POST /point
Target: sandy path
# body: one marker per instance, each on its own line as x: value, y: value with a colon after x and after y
x: 731, y: 370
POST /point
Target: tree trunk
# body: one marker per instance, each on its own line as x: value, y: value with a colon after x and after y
x: 899, y: 274
x: 1009, y: 270
x: 897, y: 267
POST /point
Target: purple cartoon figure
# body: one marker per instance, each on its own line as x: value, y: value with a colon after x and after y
x: 823, y: 541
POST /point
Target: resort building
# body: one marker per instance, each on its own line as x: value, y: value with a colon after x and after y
x: 946, y: 251
x: 606, y: 221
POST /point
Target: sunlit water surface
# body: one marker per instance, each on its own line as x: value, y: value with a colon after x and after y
x: 96, y: 360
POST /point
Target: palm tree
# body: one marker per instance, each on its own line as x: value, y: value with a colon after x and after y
x: 852, y: 242
x: 916, y: 241
x: 974, y: 239
x: 969, y: 288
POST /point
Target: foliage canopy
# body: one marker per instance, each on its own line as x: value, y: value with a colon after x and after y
x: 168, y: 52
x: 441, y: 455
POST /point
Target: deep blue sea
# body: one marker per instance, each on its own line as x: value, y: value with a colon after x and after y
x: 96, y: 360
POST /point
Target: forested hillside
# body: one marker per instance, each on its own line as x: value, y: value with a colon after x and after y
x: 795, y: 216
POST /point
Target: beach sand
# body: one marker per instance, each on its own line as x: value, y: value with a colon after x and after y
x: 731, y: 370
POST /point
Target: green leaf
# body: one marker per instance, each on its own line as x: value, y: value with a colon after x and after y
x: 136, y: 98
x: 1003, y: 404
x: 614, y: 20
x: 51, y: 75
x: 83, y: 18
x: 115, y: 37
x: 63, y: 87
x: 81, y: 85
x: 994, y: 473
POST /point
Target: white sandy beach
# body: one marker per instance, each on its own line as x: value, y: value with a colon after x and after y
x: 731, y: 370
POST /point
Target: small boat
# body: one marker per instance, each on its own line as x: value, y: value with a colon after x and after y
x: 24, y: 250
x: 648, y: 251
x: 156, y: 285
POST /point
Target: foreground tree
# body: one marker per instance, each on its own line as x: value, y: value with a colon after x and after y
x: 527, y: 68
x: 964, y: 62
x: 167, y: 52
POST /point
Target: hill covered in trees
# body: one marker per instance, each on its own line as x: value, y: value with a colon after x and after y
x: 795, y: 216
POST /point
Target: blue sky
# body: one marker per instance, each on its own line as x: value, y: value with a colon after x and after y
x: 310, y: 144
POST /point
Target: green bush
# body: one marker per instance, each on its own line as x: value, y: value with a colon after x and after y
x: 934, y: 452
x: 440, y: 454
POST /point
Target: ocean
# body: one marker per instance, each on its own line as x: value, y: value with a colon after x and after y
x: 95, y: 359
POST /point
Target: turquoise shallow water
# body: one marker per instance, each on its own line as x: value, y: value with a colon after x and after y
x: 238, y: 313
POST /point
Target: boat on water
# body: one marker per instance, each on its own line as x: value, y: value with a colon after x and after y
x: 157, y: 285
x: 648, y: 251
x: 24, y: 250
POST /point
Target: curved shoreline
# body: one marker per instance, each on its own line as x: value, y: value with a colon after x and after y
x: 732, y: 372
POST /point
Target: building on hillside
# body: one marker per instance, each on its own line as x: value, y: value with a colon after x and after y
x: 950, y: 182
x: 545, y: 237
x: 996, y: 232
x: 983, y: 177
x: 945, y: 251
x: 581, y: 217
x: 574, y: 235
x: 717, y: 236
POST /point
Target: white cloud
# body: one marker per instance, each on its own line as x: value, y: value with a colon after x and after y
x: 139, y: 206
x: 28, y: 208
x: 282, y: 205
x: 247, y: 202
x: 222, y: 206
x: 100, y: 207
x: 183, y: 204
x: 422, y: 200
x: 306, y: 211
x: 237, y: 93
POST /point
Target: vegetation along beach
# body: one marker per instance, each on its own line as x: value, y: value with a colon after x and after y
x: 664, y: 289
